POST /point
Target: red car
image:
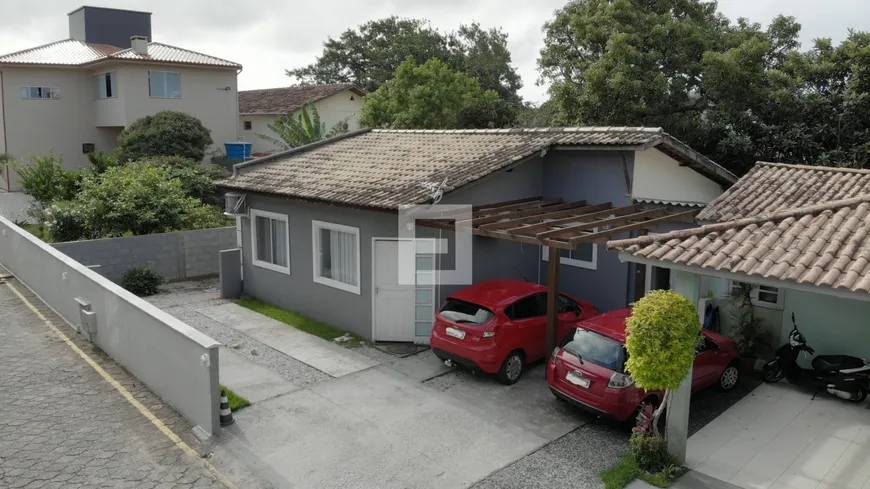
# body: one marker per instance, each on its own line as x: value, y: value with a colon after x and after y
x: 588, y: 367
x: 499, y: 326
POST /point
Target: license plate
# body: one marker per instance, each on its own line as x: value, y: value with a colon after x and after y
x: 456, y: 333
x: 577, y: 380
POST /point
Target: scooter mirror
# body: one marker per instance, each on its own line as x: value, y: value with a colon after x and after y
x: 792, y: 318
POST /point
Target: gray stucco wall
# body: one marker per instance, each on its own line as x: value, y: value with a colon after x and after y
x: 597, y: 177
x: 298, y: 291
x: 177, y: 362
x: 176, y: 256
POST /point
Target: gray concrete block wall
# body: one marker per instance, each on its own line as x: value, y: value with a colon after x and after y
x: 175, y: 256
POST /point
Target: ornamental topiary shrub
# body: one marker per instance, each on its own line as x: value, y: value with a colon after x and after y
x: 142, y: 281
x: 166, y: 133
x: 663, y: 333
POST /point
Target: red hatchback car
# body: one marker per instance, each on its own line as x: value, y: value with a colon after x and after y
x: 499, y: 326
x: 588, y: 367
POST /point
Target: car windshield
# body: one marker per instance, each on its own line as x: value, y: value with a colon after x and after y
x: 596, y: 348
x: 466, y: 313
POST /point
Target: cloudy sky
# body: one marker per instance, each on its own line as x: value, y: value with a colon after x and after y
x: 267, y: 36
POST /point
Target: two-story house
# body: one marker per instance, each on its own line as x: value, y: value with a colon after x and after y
x: 76, y: 95
x: 323, y: 226
x: 335, y: 103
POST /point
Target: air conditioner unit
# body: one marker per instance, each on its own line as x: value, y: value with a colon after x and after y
x: 235, y: 205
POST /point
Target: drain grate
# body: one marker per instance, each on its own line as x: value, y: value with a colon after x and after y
x: 401, y: 350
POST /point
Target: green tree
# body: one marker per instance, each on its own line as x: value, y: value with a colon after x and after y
x: 45, y: 179
x: 303, y: 129
x: 432, y: 96
x: 663, y: 334
x: 369, y: 55
x: 166, y: 133
x: 135, y: 198
x: 734, y: 91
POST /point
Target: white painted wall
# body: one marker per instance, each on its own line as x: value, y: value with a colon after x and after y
x: 332, y: 110
x: 657, y: 176
x: 37, y: 126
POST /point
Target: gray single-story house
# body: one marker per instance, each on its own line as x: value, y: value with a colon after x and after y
x: 320, y: 227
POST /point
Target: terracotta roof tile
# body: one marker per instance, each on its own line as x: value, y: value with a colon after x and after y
x: 286, y: 100
x: 771, y: 187
x: 826, y: 245
x: 388, y: 168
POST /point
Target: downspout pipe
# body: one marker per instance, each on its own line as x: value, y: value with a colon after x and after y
x: 3, y: 117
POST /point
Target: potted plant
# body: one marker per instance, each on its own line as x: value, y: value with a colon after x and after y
x: 748, y: 332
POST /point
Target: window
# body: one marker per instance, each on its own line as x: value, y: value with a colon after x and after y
x: 40, y: 92
x: 164, y: 84
x: 247, y: 125
x: 596, y: 348
x: 270, y: 240
x: 762, y: 295
x: 566, y: 304
x: 106, y: 85
x: 466, y: 313
x: 532, y: 306
x: 336, y: 255
x: 585, y: 255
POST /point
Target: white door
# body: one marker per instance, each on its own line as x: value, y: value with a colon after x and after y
x: 394, y: 302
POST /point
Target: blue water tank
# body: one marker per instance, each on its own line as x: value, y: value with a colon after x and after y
x: 238, y: 150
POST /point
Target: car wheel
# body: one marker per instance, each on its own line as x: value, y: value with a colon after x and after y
x: 512, y: 368
x: 772, y: 373
x: 859, y: 395
x: 728, y: 379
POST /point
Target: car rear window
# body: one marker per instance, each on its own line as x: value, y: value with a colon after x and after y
x: 465, y: 312
x: 596, y: 348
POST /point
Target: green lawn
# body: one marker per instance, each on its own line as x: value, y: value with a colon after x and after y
x: 626, y: 470
x: 298, y: 321
x: 236, y: 401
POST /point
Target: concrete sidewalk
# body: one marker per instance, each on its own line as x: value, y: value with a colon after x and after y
x: 323, y: 355
x: 250, y: 380
x: 691, y: 480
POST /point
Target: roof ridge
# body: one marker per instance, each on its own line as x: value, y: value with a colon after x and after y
x: 737, y: 223
x: 154, y: 43
x: 800, y: 166
x: 531, y: 130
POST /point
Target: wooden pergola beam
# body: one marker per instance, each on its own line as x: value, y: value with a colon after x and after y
x: 603, y: 222
x: 520, y: 206
x: 448, y: 226
x: 648, y: 224
x: 505, y: 203
x: 518, y: 217
x: 544, y: 206
x: 590, y: 212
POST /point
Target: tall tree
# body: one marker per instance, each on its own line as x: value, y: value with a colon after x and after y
x: 432, y: 96
x: 734, y: 91
x: 369, y: 55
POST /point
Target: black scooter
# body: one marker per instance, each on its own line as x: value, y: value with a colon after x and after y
x: 841, y: 375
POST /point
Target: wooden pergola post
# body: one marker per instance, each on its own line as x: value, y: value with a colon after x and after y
x: 553, y: 298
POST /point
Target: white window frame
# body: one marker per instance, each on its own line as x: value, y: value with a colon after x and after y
x: 316, y: 226
x: 573, y: 262
x: 150, y: 94
x: 780, y: 296
x: 254, y: 259
x: 101, y: 79
x: 53, y: 92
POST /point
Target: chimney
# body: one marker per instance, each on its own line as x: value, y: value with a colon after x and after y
x: 139, y: 45
x: 108, y: 25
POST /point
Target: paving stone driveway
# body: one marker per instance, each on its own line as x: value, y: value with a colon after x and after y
x: 63, y: 425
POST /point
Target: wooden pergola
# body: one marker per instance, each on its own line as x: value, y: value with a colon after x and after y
x: 558, y: 225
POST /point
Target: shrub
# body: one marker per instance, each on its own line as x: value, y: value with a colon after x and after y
x: 142, y: 281
x: 101, y: 161
x: 166, y: 133
x: 206, y: 217
x: 64, y: 222
x: 650, y: 451
x: 44, y: 179
x: 197, y: 180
